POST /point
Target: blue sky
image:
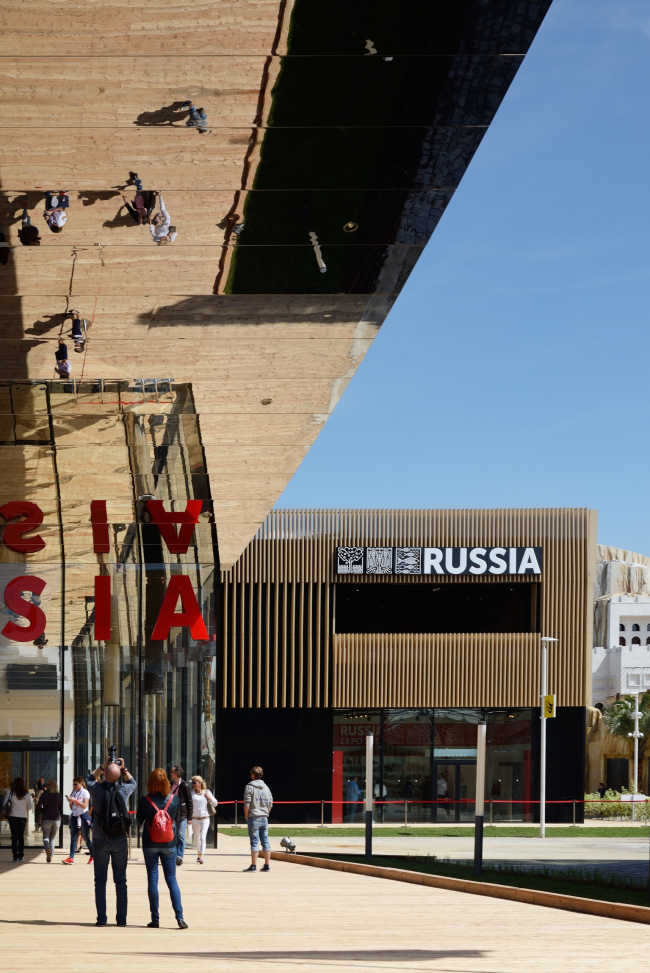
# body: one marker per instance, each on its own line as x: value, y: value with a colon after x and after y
x: 512, y: 371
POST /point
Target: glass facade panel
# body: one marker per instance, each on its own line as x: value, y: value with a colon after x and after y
x: 416, y: 782
x: 69, y: 689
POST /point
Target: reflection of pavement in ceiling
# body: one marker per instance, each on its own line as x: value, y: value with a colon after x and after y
x: 308, y: 135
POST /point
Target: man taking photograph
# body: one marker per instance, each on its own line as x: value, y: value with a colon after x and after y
x: 111, y: 825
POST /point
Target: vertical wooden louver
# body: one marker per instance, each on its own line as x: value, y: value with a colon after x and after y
x: 279, y: 641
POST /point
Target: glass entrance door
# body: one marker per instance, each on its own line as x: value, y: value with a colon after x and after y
x: 455, y: 790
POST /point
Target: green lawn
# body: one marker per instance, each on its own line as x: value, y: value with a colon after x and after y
x: 500, y: 831
x: 567, y: 882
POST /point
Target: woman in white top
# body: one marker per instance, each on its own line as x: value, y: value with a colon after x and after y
x: 20, y: 802
x: 200, y: 814
x: 161, y: 231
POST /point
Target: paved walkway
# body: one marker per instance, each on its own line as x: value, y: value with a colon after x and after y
x: 628, y: 856
x: 294, y: 919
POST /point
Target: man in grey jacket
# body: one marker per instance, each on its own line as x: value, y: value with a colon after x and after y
x: 258, y: 802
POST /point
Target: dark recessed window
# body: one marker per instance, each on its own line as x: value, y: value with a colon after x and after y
x: 444, y: 607
x: 636, y: 640
x: 621, y: 627
x: 31, y: 677
x: 621, y: 641
x: 635, y: 628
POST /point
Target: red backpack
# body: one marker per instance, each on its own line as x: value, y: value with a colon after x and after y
x: 161, y: 828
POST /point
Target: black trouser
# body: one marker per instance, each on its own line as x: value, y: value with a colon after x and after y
x: 17, y: 828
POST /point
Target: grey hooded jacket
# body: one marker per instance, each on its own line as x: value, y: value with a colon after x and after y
x: 258, y: 799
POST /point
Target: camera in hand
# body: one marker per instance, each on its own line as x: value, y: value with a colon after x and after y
x: 112, y: 754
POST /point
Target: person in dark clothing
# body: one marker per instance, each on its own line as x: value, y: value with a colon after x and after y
x: 183, y: 791
x: 5, y: 250
x: 601, y: 790
x: 62, y: 361
x: 142, y: 207
x: 28, y: 234
x: 78, y: 330
x: 159, y: 797
x: 105, y: 849
x: 50, y: 807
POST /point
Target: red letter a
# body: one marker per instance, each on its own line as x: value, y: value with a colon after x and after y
x: 177, y: 543
x: 26, y: 609
x: 190, y: 617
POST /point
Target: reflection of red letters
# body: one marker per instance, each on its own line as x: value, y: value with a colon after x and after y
x: 34, y: 614
x: 99, y: 520
x: 179, y: 584
x: 13, y: 533
x: 103, y: 607
x: 177, y: 543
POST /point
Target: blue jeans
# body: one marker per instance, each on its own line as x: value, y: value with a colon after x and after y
x: 79, y: 821
x: 116, y: 852
x: 258, y: 828
x: 181, y: 831
x: 167, y: 858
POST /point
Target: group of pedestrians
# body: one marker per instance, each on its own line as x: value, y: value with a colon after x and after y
x: 57, y: 205
x: 100, y: 803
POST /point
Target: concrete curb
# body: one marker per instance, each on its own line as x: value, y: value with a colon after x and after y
x: 552, y: 900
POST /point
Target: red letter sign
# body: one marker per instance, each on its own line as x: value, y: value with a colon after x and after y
x: 99, y: 520
x: 177, y: 543
x: 26, y: 609
x: 179, y: 584
x: 13, y: 533
x: 103, y: 607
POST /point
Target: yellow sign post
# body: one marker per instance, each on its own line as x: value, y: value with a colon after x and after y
x: 548, y: 709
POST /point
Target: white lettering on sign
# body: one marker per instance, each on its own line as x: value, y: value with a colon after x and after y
x: 439, y: 560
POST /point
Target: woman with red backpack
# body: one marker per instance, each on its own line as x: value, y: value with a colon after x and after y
x: 158, y: 812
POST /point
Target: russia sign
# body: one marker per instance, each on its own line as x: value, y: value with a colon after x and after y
x: 439, y: 560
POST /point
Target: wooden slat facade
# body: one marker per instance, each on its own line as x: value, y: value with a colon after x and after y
x: 280, y: 647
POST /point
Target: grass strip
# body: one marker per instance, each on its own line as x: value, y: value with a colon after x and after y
x: 500, y: 831
x: 587, y: 883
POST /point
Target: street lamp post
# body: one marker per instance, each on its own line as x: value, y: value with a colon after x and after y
x: 369, y: 795
x: 637, y: 735
x: 542, y: 743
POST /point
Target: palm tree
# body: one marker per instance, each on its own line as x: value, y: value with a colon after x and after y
x: 619, y: 720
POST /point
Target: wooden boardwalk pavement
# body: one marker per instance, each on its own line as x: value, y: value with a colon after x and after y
x: 292, y: 919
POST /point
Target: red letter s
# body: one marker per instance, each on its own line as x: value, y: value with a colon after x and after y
x: 34, y: 614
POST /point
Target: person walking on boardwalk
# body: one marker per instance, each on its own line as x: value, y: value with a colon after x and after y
x: 201, y: 797
x: 198, y: 118
x: 28, y: 233
x: 258, y: 802
x: 20, y: 802
x: 111, y: 825
x: 160, y: 227
x: 79, y: 819
x: 159, y: 813
x: 78, y: 330
x: 143, y: 203
x: 50, y: 807
x: 63, y: 365
x: 183, y: 790
x: 55, y: 206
